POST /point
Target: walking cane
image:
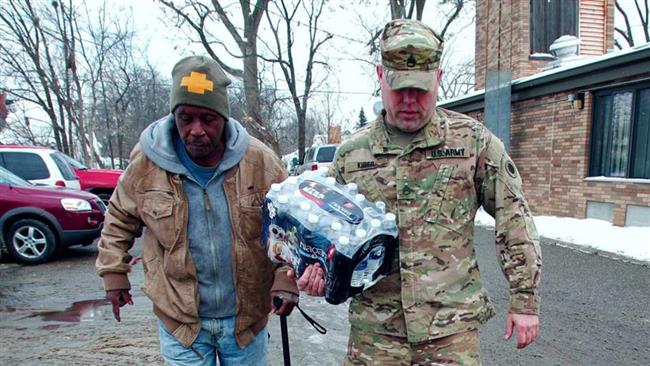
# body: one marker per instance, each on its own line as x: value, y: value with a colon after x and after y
x: 277, y: 302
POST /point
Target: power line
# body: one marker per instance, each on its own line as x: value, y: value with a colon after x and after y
x: 240, y: 87
x: 317, y: 29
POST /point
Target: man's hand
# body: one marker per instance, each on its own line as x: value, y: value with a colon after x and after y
x: 526, y: 326
x: 289, y: 300
x: 118, y: 298
x: 312, y: 280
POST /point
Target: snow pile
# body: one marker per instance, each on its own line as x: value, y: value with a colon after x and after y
x: 597, y: 234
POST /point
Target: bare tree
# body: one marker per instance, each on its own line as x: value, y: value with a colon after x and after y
x: 400, y: 9
x: 27, y: 62
x: 283, y: 54
x: 198, y: 17
x: 82, y: 73
x: 630, y: 35
x: 457, y: 79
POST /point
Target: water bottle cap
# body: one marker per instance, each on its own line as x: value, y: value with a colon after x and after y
x: 360, y: 233
x: 375, y: 223
x: 275, y: 187
x: 283, y: 199
x: 312, y: 218
x: 352, y: 186
x: 304, y: 205
x: 359, y: 197
x: 336, y: 225
x: 322, y: 171
x: 344, y: 240
x: 390, y: 217
x: 380, y: 205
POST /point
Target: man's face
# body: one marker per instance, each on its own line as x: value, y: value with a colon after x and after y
x: 201, y: 130
x: 407, y: 109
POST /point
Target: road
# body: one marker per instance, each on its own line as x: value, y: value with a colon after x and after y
x: 595, y: 311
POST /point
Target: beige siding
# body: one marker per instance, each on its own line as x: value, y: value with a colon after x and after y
x: 592, y: 27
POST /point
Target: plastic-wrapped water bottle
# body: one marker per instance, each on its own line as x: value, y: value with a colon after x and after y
x: 283, y: 202
x: 274, y: 192
x: 359, y: 273
x: 352, y: 189
x: 313, y: 220
x: 375, y: 260
x: 390, y: 221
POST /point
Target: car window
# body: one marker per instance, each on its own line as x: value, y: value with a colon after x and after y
x: 71, y: 161
x: 25, y: 165
x: 7, y: 177
x: 64, y: 167
x: 309, y: 155
x: 326, y: 154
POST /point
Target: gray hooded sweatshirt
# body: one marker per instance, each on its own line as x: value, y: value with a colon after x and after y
x: 209, y: 226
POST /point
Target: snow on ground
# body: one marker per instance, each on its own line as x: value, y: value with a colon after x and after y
x: 631, y: 242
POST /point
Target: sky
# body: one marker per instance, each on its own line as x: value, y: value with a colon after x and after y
x: 591, y: 234
x: 351, y: 80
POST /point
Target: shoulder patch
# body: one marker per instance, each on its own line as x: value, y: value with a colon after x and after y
x: 510, y: 169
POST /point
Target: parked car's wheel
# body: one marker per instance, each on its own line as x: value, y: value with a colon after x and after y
x: 30, y: 241
x: 105, y: 197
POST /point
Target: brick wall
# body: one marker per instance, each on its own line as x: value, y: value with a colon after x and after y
x: 503, y: 35
x: 550, y: 141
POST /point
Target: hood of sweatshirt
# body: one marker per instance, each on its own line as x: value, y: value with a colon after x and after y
x: 157, y: 143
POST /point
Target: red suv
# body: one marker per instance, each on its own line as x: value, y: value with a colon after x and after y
x: 101, y: 182
x: 36, y: 220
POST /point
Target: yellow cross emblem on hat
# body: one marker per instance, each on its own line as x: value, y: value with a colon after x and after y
x: 197, y: 83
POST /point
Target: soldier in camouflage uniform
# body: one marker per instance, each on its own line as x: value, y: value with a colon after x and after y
x: 433, y: 168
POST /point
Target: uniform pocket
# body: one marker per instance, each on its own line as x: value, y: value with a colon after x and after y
x: 158, y: 215
x: 372, y: 179
x: 438, y: 193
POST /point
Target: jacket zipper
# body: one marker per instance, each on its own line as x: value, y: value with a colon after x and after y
x: 211, y: 242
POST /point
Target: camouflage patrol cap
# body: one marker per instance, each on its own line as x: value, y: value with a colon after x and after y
x: 410, y: 54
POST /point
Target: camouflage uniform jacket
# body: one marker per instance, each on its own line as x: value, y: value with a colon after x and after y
x: 435, y: 186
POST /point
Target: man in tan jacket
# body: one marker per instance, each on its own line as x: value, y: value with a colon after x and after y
x: 197, y: 181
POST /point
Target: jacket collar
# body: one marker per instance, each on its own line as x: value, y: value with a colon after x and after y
x: 432, y: 134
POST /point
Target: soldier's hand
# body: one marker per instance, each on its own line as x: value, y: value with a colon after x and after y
x: 312, y: 280
x: 118, y: 298
x: 526, y: 326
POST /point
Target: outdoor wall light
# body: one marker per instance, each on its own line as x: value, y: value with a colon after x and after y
x: 577, y: 100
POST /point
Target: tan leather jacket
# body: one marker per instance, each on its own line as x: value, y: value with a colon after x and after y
x: 149, y: 195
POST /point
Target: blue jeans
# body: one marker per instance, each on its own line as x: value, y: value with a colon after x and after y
x: 216, y: 340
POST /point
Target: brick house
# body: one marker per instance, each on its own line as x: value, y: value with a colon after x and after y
x: 579, y: 129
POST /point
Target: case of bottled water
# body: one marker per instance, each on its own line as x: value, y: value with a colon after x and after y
x: 311, y: 218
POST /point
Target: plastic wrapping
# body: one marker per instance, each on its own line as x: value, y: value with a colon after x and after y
x: 311, y: 218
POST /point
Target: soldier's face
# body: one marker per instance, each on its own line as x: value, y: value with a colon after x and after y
x: 407, y: 109
x: 201, y: 130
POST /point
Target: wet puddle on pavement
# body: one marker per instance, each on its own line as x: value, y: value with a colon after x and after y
x: 79, y: 311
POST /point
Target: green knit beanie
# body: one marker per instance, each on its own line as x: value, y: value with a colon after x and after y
x: 200, y: 81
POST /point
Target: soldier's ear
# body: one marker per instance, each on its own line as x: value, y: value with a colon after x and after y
x: 380, y: 72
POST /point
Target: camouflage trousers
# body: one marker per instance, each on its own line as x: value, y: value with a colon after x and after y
x: 377, y: 349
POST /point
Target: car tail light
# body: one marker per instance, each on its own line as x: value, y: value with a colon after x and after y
x: 59, y: 183
x: 314, y: 167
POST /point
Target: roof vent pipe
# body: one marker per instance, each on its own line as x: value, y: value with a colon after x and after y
x: 565, y: 47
